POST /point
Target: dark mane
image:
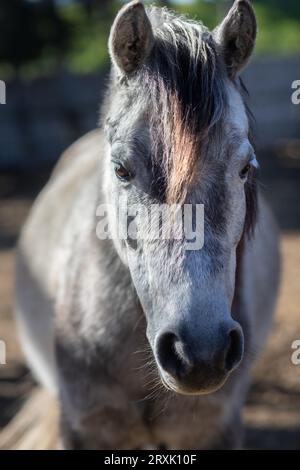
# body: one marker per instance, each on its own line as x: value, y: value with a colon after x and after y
x: 251, y: 184
x: 184, y: 81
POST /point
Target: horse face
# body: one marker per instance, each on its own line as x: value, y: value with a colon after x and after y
x: 157, y: 159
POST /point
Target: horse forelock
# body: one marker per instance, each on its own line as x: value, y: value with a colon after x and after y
x: 185, y: 82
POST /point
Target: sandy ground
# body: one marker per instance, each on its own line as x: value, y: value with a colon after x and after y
x: 272, y: 413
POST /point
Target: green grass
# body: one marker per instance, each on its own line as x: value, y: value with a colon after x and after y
x: 277, y: 35
x: 88, y: 49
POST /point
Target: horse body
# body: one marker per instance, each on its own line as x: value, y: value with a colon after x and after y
x: 83, y: 307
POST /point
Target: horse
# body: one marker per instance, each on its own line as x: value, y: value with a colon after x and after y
x: 145, y: 342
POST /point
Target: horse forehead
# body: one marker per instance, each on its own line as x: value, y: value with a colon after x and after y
x: 237, y: 115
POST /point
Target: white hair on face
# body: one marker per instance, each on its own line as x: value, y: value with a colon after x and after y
x: 237, y: 111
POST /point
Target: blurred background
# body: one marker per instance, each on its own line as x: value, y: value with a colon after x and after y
x: 54, y: 61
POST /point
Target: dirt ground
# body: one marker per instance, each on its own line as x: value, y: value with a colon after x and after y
x: 272, y: 413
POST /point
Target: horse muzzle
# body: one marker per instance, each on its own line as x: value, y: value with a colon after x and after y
x: 189, y: 365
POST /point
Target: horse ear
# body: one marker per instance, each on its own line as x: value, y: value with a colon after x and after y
x: 236, y: 35
x: 131, y: 38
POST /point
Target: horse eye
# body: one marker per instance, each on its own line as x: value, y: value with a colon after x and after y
x: 245, y: 171
x: 122, y: 173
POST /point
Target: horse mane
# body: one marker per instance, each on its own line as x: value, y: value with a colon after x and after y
x: 185, y: 83
x: 251, y: 184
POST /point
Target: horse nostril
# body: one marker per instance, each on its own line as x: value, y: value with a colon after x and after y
x: 235, y: 350
x: 196, y: 363
x: 170, y: 354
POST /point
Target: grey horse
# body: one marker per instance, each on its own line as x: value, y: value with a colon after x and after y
x: 145, y: 342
